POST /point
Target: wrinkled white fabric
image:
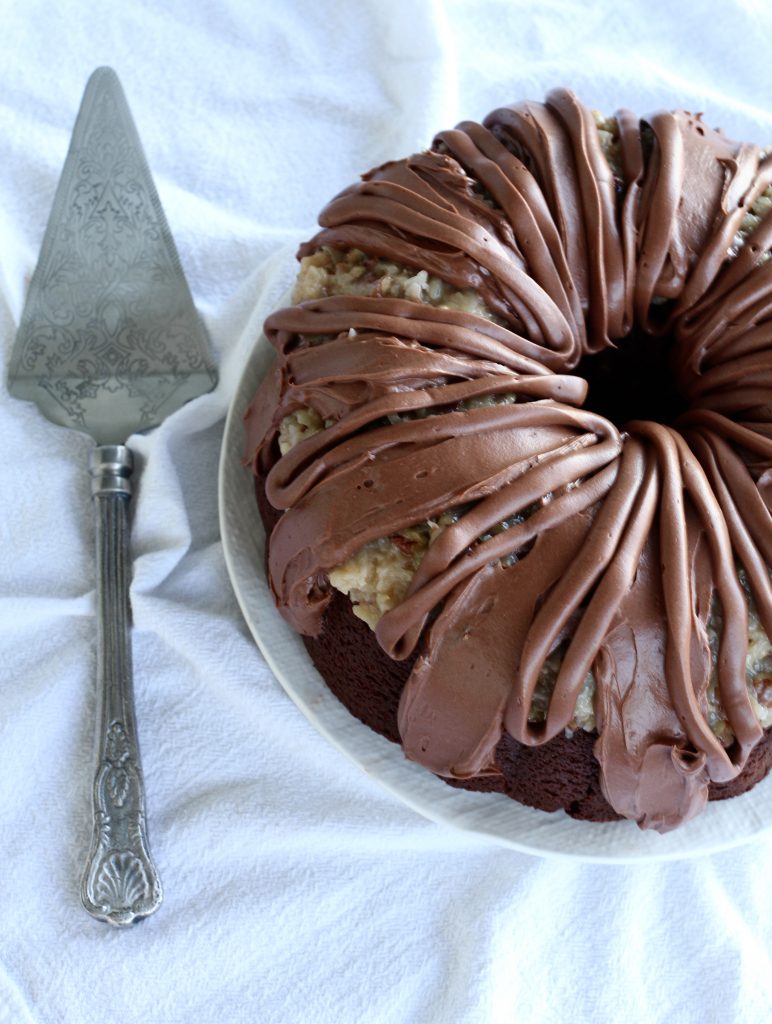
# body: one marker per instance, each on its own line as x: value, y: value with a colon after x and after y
x: 296, y: 889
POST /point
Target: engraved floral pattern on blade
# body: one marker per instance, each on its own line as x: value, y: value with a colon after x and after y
x: 109, y: 311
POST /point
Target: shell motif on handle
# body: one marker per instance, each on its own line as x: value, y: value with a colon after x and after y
x: 120, y: 884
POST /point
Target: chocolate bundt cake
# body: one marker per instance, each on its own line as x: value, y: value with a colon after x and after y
x: 515, y: 458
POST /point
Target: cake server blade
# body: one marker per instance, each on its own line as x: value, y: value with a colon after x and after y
x: 110, y: 343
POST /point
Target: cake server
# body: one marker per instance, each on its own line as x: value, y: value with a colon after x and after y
x: 110, y: 343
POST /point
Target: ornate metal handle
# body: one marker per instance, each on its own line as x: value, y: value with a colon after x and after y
x: 120, y: 883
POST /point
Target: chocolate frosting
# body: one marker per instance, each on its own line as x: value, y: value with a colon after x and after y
x: 619, y: 542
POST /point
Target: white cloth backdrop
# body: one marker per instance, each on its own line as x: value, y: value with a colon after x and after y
x: 296, y: 889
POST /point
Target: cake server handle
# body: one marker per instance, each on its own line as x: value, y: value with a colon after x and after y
x: 120, y: 883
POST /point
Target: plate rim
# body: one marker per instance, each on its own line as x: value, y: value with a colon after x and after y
x: 242, y: 536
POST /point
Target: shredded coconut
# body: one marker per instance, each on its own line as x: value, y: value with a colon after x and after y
x: 332, y: 271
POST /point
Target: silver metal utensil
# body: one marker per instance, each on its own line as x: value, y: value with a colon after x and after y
x: 110, y: 343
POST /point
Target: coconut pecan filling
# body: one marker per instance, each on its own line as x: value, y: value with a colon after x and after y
x: 379, y: 575
x: 331, y: 271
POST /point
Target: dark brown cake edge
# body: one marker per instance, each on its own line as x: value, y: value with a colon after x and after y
x: 562, y: 774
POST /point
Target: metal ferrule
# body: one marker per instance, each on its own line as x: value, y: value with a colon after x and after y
x: 111, y: 466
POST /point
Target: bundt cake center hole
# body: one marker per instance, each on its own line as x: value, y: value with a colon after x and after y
x: 633, y: 381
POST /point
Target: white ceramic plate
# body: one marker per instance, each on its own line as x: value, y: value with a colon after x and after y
x: 722, y: 825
